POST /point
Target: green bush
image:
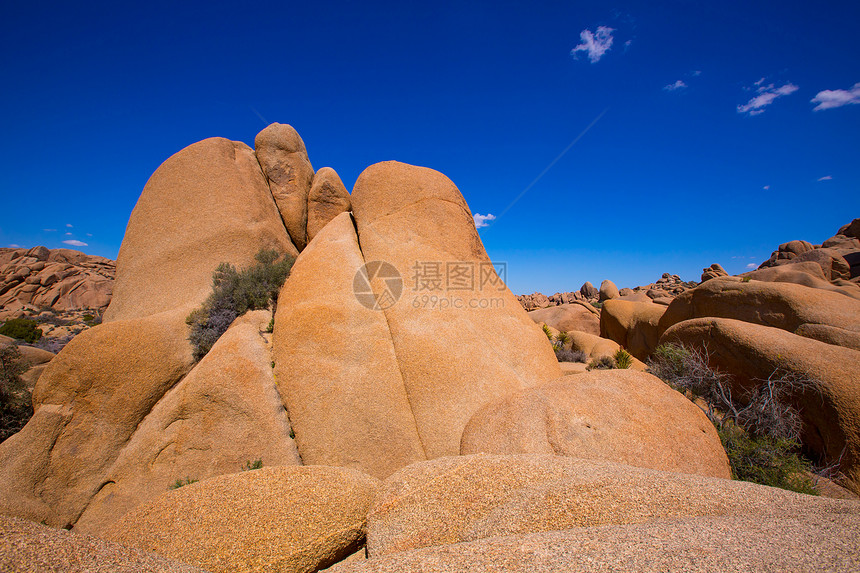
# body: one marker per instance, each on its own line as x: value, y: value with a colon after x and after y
x: 182, y: 482
x: 547, y: 331
x: 233, y: 294
x: 766, y: 460
x: 22, y: 329
x: 602, y: 363
x: 16, y: 406
x: 255, y: 465
x: 760, y: 430
x: 623, y: 359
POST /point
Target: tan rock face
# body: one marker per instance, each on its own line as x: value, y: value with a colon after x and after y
x: 633, y: 325
x: 614, y: 415
x: 223, y: 414
x: 286, y: 519
x: 61, y: 279
x: 29, y: 547
x: 336, y: 364
x: 806, y: 273
x: 285, y: 162
x: 714, y: 271
x: 205, y: 205
x: 88, y: 402
x: 466, y: 498
x: 327, y: 199
x: 453, y: 360
x: 809, y: 541
x: 568, y: 317
x: 608, y: 290
x: 747, y: 351
x: 780, y: 305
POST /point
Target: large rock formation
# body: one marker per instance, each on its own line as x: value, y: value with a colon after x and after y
x: 285, y: 162
x: 374, y: 378
x: 827, y: 316
x: 27, y: 547
x: 223, y: 414
x: 60, y: 279
x: 466, y: 498
x: 453, y: 360
x: 336, y: 364
x: 289, y: 520
x: 569, y: 318
x: 633, y: 325
x: 205, y: 205
x: 327, y: 199
x: 616, y: 415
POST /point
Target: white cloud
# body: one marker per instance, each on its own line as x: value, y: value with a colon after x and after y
x: 826, y: 178
x: 766, y: 187
x: 829, y: 99
x: 696, y: 73
x: 89, y: 234
x: 596, y: 44
x: 752, y: 266
x: 483, y: 220
x: 14, y: 246
x: 69, y: 234
x: 69, y: 225
x: 766, y: 96
x: 679, y: 85
x: 75, y: 243
x: 50, y: 230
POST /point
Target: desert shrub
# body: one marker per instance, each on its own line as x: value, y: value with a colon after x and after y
x: 255, y: 465
x: 562, y: 338
x: 16, y: 406
x: 182, y: 482
x: 92, y: 320
x: 622, y: 359
x: 766, y: 460
x: 53, y: 320
x: 22, y: 329
x: 760, y: 430
x: 233, y: 294
x: 597, y: 305
x: 271, y: 326
x: 564, y: 355
x: 746, y: 279
x: 602, y: 363
x: 547, y: 331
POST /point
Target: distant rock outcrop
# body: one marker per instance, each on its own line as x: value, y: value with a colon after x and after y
x: 58, y: 279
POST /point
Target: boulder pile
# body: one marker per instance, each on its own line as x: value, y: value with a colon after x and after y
x: 399, y: 410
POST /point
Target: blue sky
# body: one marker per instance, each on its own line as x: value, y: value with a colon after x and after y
x: 722, y: 129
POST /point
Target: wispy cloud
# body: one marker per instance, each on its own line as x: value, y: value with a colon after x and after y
x: 679, y: 85
x: 766, y: 187
x: 767, y: 94
x: 69, y: 225
x: 483, y: 220
x: 696, y: 73
x: 752, y: 266
x: 50, y: 230
x: 595, y: 44
x: 14, y: 246
x: 89, y: 234
x: 75, y: 243
x: 826, y: 178
x: 829, y: 99
x: 69, y: 234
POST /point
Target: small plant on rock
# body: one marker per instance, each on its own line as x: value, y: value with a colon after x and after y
x: 255, y: 465
x: 548, y: 331
x: 182, y: 482
x: 233, y: 294
x: 622, y: 359
x: 601, y: 363
x: 564, y: 355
